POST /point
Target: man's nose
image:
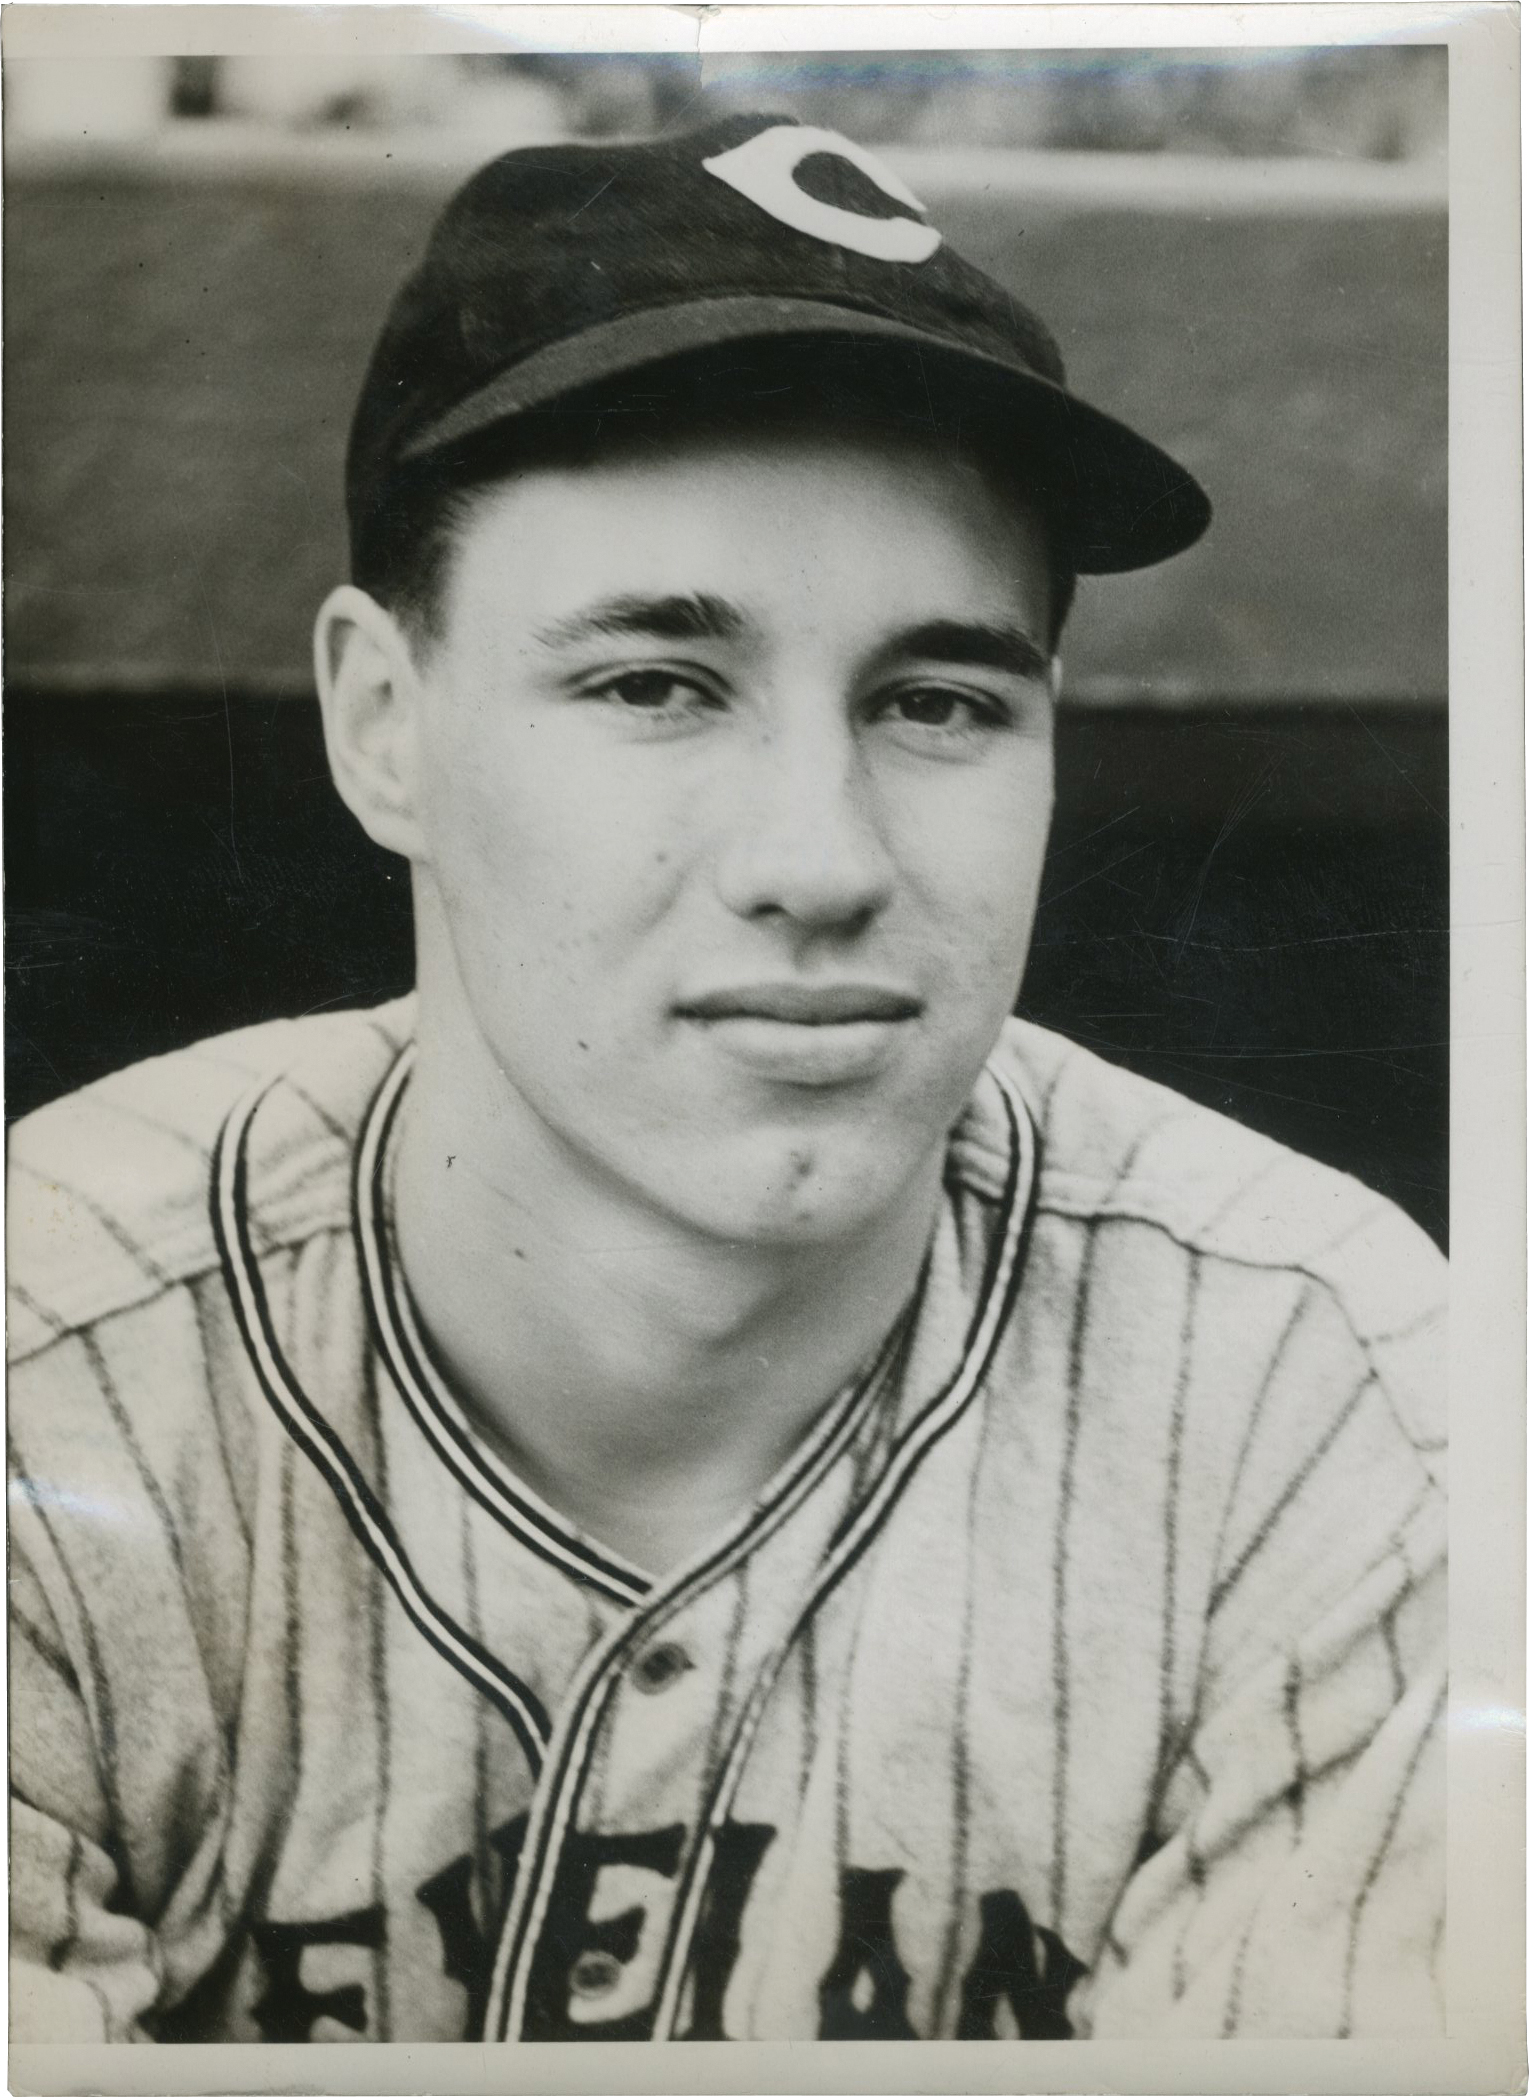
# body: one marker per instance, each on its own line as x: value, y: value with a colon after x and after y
x: 804, y: 838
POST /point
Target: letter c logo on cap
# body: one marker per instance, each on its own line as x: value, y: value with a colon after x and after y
x: 763, y: 169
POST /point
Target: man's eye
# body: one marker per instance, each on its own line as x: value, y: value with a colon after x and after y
x: 940, y: 706
x: 929, y: 709
x: 653, y: 692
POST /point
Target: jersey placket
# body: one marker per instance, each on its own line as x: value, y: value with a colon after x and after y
x: 653, y: 1702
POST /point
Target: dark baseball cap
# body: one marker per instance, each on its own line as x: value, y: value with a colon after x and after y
x: 558, y: 269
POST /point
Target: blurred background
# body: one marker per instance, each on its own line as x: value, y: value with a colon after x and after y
x: 1244, y: 252
x: 1370, y: 103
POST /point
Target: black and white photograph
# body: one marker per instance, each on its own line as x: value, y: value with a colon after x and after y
x: 728, y: 864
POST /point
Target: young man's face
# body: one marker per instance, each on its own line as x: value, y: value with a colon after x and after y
x: 735, y: 771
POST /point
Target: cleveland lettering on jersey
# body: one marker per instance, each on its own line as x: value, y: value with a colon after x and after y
x: 289, y: 2009
x: 696, y: 1477
x: 1019, y: 1971
x: 464, y: 1907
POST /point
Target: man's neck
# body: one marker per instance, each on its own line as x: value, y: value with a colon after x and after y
x: 644, y: 1378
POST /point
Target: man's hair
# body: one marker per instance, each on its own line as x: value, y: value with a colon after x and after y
x: 403, y: 557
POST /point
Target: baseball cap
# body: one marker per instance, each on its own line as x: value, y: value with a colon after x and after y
x: 557, y: 269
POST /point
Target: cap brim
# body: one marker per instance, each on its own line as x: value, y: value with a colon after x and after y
x: 1115, y: 501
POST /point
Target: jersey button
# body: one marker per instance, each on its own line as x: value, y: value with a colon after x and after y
x: 594, y: 1973
x: 660, y: 1666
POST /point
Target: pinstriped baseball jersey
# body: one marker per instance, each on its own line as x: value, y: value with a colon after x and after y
x: 1079, y: 1673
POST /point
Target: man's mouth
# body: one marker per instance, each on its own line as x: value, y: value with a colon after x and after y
x: 805, y: 1034
x: 804, y: 1004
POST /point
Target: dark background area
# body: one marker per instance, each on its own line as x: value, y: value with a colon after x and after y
x: 1247, y: 894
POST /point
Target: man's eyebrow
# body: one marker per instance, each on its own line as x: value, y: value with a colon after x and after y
x: 976, y: 643
x: 678, y: 618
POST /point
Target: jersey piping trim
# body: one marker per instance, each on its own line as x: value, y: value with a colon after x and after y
x: 327, y: 1452
x: 178, y: 1245
x: 518, y: 1943
x: 430, y: 1403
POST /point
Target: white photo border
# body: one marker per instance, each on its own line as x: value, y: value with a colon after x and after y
x: 1484, y: 2049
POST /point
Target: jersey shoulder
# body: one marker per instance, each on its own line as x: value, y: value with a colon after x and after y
x: 109, y: 1188
x: 1112, y: 1145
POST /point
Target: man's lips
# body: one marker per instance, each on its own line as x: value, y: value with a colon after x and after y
x: 804, y: 1004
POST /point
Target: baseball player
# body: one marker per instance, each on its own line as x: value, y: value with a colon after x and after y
x: 694, y: 1479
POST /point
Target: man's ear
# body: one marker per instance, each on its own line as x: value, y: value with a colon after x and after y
x: 369, y: 692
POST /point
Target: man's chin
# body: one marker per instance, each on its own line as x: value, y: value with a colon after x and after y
x: 812, y: 1190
